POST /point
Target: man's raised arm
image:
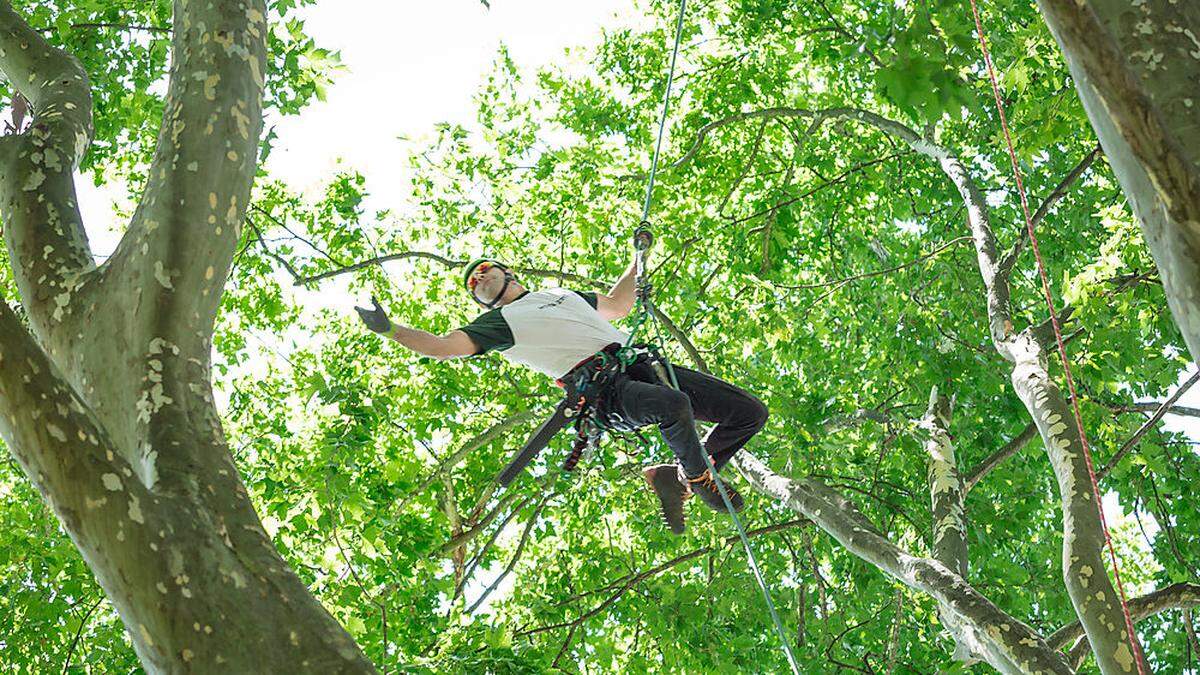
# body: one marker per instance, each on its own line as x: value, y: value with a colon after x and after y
x: 619, y: 300
x: 441, y: 347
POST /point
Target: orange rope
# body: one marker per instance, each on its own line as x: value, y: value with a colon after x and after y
x: 1062, y: 352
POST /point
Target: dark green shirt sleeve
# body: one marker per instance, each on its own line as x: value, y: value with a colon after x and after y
x: 489, y: 331
x: 589, y: 296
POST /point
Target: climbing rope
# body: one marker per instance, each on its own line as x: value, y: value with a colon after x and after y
x: 1062, y: 352
x: 642, y: 241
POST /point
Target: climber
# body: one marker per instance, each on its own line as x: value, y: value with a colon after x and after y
x: 557, y: 331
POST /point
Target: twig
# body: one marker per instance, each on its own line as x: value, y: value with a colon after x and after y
x: 373, y: 598
x: 280, y: 223
x: 1190, y: 629
x: 75, y: 640
x: 829, y: 649
x: 859, y: 168
x: 1010, y: 448
x: 470, y: 534
x: 626, y: 582
x: 850, y: 279
x: 121, y: 26
x: 515, y: 557
x: 489, y: 435
x: 1137, y: 436
x: 758, y: 137
x: 483, y: 550
x: 1051, y: 199
x: 840, y: 29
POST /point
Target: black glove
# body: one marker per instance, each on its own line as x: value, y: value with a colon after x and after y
x: 375, y: 319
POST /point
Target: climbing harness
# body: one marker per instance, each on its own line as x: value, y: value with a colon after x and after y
x: 1139, y: 658
x: 582, y: 388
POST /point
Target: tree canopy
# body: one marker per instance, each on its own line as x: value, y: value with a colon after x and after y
x: 829, y: 174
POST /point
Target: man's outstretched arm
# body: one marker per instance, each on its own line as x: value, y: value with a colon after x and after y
x: 619, y: 300
x: 441, y: 347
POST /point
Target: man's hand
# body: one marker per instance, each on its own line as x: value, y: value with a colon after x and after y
x: 375, y: 319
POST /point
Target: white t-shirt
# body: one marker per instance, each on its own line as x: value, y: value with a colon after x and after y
x: 549, y: 330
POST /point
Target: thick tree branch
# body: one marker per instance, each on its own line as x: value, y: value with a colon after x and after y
x: 1091, y: 592
x: 945, y: 486
x: 42, y: 226
x: 1175, y: 596
x: 1133, y: 66
x: 204, y: 162
x: 946, y: 493
x: 1007, y: 644
x: 158, y: 294
x: 66, y: 454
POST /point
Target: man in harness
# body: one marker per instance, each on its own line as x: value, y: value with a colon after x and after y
x: 567, y: 335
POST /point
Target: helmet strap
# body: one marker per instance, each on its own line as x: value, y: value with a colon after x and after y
x: 508, y: 279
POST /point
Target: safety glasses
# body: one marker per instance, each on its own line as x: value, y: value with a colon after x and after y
x: 481, y: 268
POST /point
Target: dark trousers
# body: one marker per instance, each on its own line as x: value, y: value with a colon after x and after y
x: 639, y: 398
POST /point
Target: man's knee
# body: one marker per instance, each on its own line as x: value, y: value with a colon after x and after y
x: 758, y: 413
x: 675, y: 405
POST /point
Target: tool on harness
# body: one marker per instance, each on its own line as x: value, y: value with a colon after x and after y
x: 582, y: 386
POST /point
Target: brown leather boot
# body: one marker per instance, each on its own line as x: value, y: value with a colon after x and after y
x: 663, y: 479
x: 706, y: 488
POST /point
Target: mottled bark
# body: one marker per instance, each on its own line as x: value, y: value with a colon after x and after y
x: 1008, y: 645
x: 1136, y: 67
x: 1176, y: 596
x: 946, y: 492
x: 43, y: 229
x: 105, y: 399
x: 1091, y: 592
x: 1084, y: 567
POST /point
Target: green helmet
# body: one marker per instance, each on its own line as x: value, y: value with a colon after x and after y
x: 476, y: 263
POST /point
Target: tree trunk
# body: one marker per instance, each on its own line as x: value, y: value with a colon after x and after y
x: 949, y: 545
x: 105, y: 398
x: 1136, y: 66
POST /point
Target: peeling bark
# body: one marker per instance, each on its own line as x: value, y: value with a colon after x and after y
x: 1008, y: 645
x: 1136, y: 67
x: 946, y: 493
x: 1084, y: 570
x: 105, y: 399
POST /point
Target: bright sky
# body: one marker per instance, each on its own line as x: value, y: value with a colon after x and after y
x: 409, y: 66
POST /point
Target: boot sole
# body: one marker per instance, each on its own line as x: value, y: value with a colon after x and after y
x: 677, y: 527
